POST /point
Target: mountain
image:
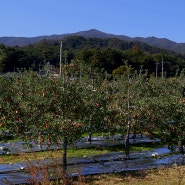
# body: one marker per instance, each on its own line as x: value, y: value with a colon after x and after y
x: 163, y: 43
x: 22, y: 41
x: 93, y: 33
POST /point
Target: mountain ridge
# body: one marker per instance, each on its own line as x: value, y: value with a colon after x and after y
x: 94, y: 33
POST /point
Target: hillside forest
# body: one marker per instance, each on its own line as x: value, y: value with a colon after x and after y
x: 110, y: 55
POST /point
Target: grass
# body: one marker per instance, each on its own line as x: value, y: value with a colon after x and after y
x: 161, y: 176
x: 146, y: 146
x: 75, y: 152
x: 47, y: 154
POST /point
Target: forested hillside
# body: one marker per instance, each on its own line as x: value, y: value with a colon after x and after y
x: 93, y: 33
x: 107, y: 54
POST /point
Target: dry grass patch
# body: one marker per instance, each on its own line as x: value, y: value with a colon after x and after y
x: 161, y: 176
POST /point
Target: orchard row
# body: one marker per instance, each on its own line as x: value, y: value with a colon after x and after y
x: 53, y: 110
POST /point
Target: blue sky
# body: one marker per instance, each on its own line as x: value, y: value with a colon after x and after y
x: 135, y: 18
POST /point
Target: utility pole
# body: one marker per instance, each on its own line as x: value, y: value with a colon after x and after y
x: 60, y: 59
x: 162, y: 67
x: 156, y: 69
x: 127, y: 138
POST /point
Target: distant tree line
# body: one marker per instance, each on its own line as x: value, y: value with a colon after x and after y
x: 108, y: 54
